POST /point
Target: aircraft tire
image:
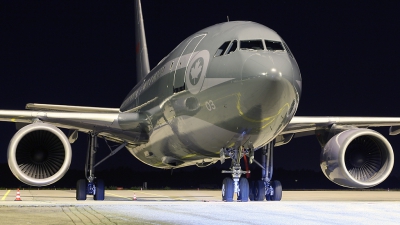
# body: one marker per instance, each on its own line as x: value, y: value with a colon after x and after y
x: 277, y: 186
x: 227, y: 190
x: 244, y: 190
x: 260, y: 191
x: 251, y: 190
x: 81, y: 190
x: 99, y: 196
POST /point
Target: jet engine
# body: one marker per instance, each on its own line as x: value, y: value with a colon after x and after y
x: 357, y: 158
x: 39, y: 154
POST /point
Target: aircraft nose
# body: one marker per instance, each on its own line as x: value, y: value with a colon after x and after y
x: 267, y: 95
x: 270, y: 67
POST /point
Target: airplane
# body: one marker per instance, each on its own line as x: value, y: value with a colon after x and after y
x: 224, y: 92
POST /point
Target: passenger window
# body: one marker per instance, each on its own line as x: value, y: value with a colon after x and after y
x: 221, y: 50
x: 232, y: 47
x: 251, y: 45
x: 274, y: 45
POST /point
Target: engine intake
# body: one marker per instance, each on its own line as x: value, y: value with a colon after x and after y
x: 39, y: 154
x: 357, y: 158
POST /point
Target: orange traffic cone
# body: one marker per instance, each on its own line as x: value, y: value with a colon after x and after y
x: 134, y: 197
x: 18, y: 197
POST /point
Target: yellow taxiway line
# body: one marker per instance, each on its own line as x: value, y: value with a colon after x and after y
x: 5, y: 196
x: 108, y: 193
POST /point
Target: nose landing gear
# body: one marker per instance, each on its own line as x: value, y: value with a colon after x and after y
x: 236, y: 184
x: 257, y: 191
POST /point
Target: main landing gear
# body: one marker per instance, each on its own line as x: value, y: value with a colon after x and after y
x: 255, y: 190
x: 91, y: 185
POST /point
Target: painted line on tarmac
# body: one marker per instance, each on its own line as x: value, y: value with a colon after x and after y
x: 5, y: 196
x: 181, y: 199
x: 118, y: 196
x: 164, y: 196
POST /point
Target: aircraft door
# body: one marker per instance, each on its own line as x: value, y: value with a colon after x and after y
x: 184, y: 59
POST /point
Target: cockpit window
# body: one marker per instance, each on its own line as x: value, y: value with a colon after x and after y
x: 288, y: 50
x: 251, y: 45
x: 221, y: 50
x: 232, y: 47
x: 274, y: 45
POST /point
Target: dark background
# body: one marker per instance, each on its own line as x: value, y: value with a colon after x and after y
x: 82, y: 53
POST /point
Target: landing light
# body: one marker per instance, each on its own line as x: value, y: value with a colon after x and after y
x: 264, y: 74
x: 273, y: 70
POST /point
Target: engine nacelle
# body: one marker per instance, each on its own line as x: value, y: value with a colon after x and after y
x: 39, y: 154
x: 357, y: 158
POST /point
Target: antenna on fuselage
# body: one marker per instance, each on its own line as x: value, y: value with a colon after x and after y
x: 142, y: 58
x: 227, y: 17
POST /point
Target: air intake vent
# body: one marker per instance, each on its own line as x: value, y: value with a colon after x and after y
x: 364, y: 158
x: 40, y: 154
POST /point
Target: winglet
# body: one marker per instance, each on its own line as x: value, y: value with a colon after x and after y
x: 142, y: 58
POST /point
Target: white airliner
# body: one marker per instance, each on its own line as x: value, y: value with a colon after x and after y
x: 224, y: 92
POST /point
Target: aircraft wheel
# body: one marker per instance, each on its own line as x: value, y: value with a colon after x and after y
x: 227, y: 190
x: 99, y: 196
x: 251, y: 190
x: 260, y: 191
x: 244, y: 190
x: 81, y: 189
x: 277, y: 186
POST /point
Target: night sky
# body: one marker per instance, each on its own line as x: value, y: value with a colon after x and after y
x: 82, y: 53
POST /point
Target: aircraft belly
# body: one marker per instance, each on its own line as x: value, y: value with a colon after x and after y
x: 176, y: 145
x: 258, y: 107
x: 184, y: 136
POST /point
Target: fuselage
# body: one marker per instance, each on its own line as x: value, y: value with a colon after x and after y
x: 231, y: 84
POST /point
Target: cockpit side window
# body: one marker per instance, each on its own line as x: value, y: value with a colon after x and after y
x: 232, y: 47
x: 274, y: 45
x: 251, y: 45
x: 221, y: 50
x: 288, y: 50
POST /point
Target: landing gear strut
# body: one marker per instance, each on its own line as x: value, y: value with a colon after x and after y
x: 272, y: 190
x: 90, y: 186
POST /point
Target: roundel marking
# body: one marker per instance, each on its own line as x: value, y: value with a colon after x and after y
x: 196, y: 71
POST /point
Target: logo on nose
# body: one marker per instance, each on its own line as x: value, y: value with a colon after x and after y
x: 196, y: 71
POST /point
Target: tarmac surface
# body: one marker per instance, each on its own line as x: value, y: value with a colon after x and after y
x: 199, y: 207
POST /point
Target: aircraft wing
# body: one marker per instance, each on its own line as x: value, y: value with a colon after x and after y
x: 69, y: 108
x: 304, y: 125
x: 107, y: 122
